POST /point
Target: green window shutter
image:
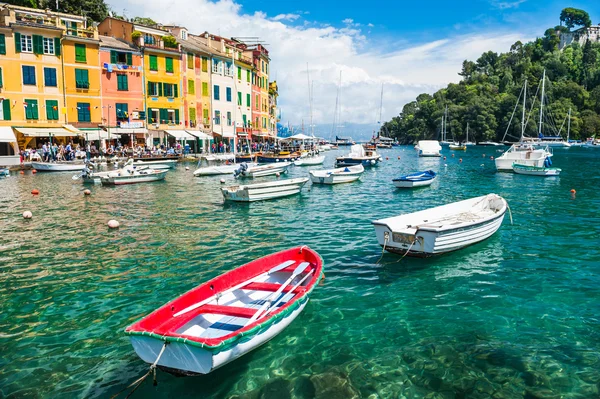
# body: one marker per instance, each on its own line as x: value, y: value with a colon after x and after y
x: 192, y: 114
x: 244, y: 119
x: 17, y: 42
x: 248, y: 76
x: 239, y: 73
x: 34, y: 111
x: 248, y: 100
x: 149, y: 91
x: 153, y: 63
x: 122, y: 82
x: 239, y: 98
x: 205, y: 115
x: 6, y: 109
x: 169, y: 64
x: 191, y: 88
x: 149, y: 116
x: 129, y: 59
x: 113, y: 57
x: 205, y: 89
x: 38, y: 44
x: 52, y: 110
x: 57, y: 46
x: 2, y: 44
x: 1, y: 82
x: 160, y: 89
x: 164, y: 115
x: 80, y: 55
x: 177, y: 116
x: 175, y: 88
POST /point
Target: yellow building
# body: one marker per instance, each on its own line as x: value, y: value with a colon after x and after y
x: 32, y: 43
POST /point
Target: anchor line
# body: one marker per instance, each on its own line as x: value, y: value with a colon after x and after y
x: 385, y: 240
x: 136, y: 384
x: 408, y: 250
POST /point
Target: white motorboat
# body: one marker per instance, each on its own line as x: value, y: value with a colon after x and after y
x: 215, y: 170
x: 310, y: 161
x: 442, y: 229
x: 458, y: 147
x: 90, y: 177
x: 523, y: 154
x: 335, y: 176
x: 359, y: 155
x: 128, y: 176
x: 428, y: 148
x: 417, y: 179
x: 490, y: 144
x: 57, y: 166
x: 535, y: 171
x: 158, y: 164
x: 263, y: 191
x: 262, y: 170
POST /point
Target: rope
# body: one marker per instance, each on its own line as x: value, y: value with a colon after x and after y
x: 509, y: 213
x: 136, y: 384
x: 408, y: 250
x: 385, y: 240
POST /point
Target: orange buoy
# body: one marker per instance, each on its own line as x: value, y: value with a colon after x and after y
x: 460, y: 160
x: 573, y: 191
x: 27, y: 215
x: 386, y: 158
x: 22, y: 172
x: 398, y: 157
x: 35, y: 191
x: 87, y: 192
x: 33, y: 171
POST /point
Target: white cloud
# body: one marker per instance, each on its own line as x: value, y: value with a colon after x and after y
x: 406, y: 69
x: 348, y: 21
x: 503, y: 5
x: 286, y: 17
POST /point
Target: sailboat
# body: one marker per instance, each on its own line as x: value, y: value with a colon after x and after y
x: 543, y: 140
x: 444, y: 140
x: 339, y: 141
x: 523, y: 153
x: 381, y: 141
x: 467, y: 142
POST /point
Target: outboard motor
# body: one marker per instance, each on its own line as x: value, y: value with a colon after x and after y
x: 243, y: 167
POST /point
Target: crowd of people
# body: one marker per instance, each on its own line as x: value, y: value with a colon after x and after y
x: 53, y: 152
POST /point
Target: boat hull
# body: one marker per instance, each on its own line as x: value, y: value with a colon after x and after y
x: 533, y: 171
x: 133, y: 179
x: 186, y: 359
x: 57, y: 167
x: 266, y: 170
x: 219, y: 170
x: 310, y: 161
x: 364, y: 161
x: 263, y: 191
x: 413, y: 184
x: 159, y: 164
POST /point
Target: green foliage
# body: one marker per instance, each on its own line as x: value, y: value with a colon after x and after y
x: 169, y: 41
x: 144, y: 21
x: 94, y: 10
x: 487, y: 94
x: 135, y: 35
x: 572, y: 17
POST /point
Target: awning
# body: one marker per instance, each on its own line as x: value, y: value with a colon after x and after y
x: 45, y: 132
x: 299, y: 136
x: 199, y: 134
x: 225, y: 134
x: 124, y: 130
x: 180, y: 135
x: 98, y: 134
x: 72, y: 129
x: 7, y: 135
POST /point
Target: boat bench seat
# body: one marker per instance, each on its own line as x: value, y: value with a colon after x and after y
x: 290, y: 269
x: 271, y: 287
x: 174, y: 323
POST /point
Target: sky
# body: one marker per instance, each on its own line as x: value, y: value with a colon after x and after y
x: 409, y: 47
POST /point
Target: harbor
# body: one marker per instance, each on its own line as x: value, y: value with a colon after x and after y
x: 512, y: 316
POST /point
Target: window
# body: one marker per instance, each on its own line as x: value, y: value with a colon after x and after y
x: 248, y: 74
x: 217, y: 117
x: 83, y: 112
x: 1, y: 81
x: 184, y: 35
x: 239, y: 98
x: 204, y: 64
x: 248, y: 100
x: 171, y: 116
x: 239, y: 73
x: 26, y: 44
x: 152, y: 89
x: 205, y: 89
x: 256, y: 125
x: 217, y: 93
x: 228, y: 69
x: 71, y: 27
x: 50, y: 77
x: 153, y: 63
x: 5, y: 110
x: 118, y: 57
x: 48, y: 45
x: 122, y: 110
x: 244, y: 120
x: 2, y: 46
x: 191, y: 87
x: 228, y: 94
x: 205, y: 116
x: 192, y: 117
x: 149, y: 39
x: 228, y: 118
x: 264, y: 123
x: 168, y: 89
x: 80, y: 55
x: 190, y: 60
x: 82, y: 79
x: 217, y: 65
x: 52, y: 110
x: 256, y: 105
x: 31, y: 109
x: 169, y: 64
x: 28, y: 75
x: 154, y: 116
x: 122, y: 83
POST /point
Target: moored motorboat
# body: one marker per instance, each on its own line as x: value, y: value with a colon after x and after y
x: 57, y: 166
x: 335, y: 176
x: 523, y: 154
x: 310, y: 161
x: 261, y: 170
x: 226, y: 169
x: 281, y: 156
x: 263, y: 191
x: 417, y: 179
x: 129, y: 176
x: 458, y: 147
x: 157, y: 164
x: 228, y: 316
x: 428, y: 148
x: 490, y: 144
x: 535, y: 170
x: 442, y: 229
x: 359, y: 155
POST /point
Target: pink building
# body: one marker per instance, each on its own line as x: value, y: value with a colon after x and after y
x: 122, y: 91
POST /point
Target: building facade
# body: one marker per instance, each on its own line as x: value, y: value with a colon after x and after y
x: 580, y: 36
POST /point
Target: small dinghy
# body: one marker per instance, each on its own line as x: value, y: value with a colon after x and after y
x: 535, y: 170
x: 228, y: 316
x: 310, y: 161
x: 263, y: 191
x: 133, y: 176
x: 359, y: 155
x: 261, y: 170
x: 442, y: 229
x: 336, y: 176
x: 58, y: 166
x: 418, y: 179
x: 428, y: 148
x: 458, y: 147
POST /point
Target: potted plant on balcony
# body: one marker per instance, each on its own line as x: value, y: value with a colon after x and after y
x: 169, y: 41
x: 136, y: 36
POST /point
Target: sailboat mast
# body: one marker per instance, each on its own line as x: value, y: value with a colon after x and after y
x: 542, y: 100
x: 380, y: 111
x: 310, y: 114
x: 467, y: 132
x: 446, y: 125
x: 569, y: 125
x: 523, y: 117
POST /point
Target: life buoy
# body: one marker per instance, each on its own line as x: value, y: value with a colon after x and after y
x: 110, y: 151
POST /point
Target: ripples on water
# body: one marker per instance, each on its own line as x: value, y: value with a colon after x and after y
x: 514, y: 316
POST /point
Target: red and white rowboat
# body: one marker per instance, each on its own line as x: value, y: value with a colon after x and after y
x: 228, y: 316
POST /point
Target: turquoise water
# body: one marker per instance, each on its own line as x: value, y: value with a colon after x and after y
x: 514, y: 316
